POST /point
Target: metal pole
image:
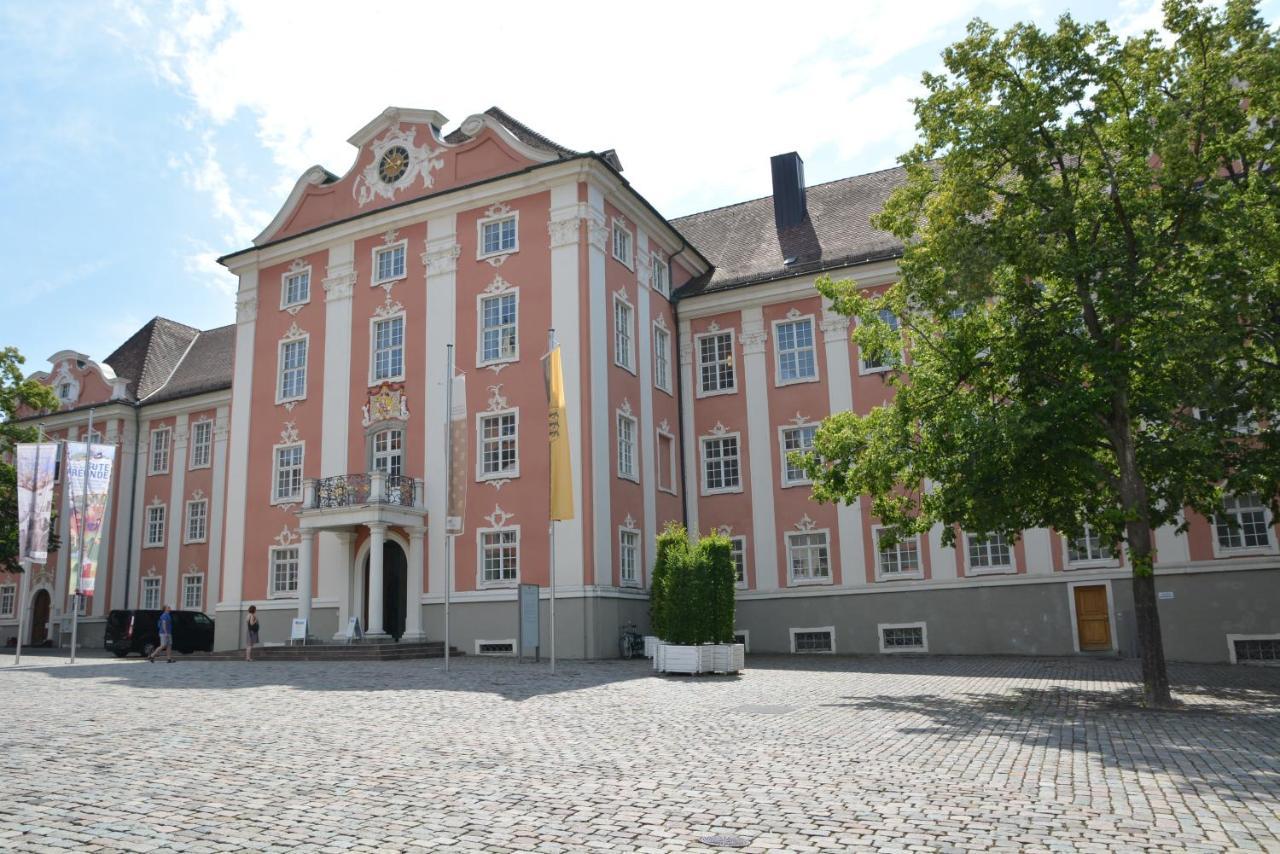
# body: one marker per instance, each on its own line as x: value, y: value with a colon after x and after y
x: 448, y: 489
x: 551, y: 526
x: 22, y: 608
x: 84, y: 527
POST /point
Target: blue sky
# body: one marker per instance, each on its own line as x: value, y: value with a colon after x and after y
x: 141, y: 141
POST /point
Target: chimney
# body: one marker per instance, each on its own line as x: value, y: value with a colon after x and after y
x: 788, y: 190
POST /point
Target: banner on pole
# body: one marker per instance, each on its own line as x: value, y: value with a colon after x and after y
x: 36, y: 469
x: 558, y: 436
x: 458, y: 456
x: 87, y: 499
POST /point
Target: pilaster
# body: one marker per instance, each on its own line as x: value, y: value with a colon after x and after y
x: 177, y: 515
x: 599, y: 324
x: 648, y: 471
x: 238, y: 504
x: 688, y: 442
x: 764, y: 539
x: 835, y: 338
x: 440, y: 259
x: 217, y: 507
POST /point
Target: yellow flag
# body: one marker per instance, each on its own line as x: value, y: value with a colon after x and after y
x: 558, y: 435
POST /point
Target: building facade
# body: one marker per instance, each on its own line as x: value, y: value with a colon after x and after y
x: 697, y: 355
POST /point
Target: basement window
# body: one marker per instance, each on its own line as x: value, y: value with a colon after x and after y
x: 1255, y: 649
x: 903, y: 637
x: 813, y: 640
x: 496, y: 647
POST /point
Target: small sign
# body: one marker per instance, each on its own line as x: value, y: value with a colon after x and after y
x: 353, y: 630
x: 298, y: 632
x: 1165, y: 594
x: 530, y: 631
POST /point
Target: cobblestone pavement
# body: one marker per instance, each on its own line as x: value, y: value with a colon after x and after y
x: 797, y: 754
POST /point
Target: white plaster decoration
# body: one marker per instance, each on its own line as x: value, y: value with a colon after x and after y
x: 389, y: 308
x: 386, y: 404
x: 563, y: 227
x: 793, y: 313
x: 287, y: 536
x: 806, y: 524
x: 197, y: 495
x: 753, y: 342
x: 625, y: 409
x: 441, y: 259
x: 664, y: 426
x: 713, y: 326
x: 835, y: 327
x: 246, y: 308
x: 499, y: 517
x: 339, y: 280
x: 497, y: 209
x: 156, y: 501
x: 289, y: 435
x: 661, y: 322
x: 151, y: 571
x: 472, y: 126
x: 725, y: 530
x: 423, y: 160
x: 63, y: 376
x: 390, y: 237
x: 297, y: 265
x: 759, y: 449
x: 629, y: 522
x: 719, y: 429
x: 598, y: 232
x: 497, y: 400
x: 499, y: 285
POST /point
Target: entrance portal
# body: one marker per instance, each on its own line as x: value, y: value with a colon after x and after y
x: 395, y: 589
x: 40, y: 618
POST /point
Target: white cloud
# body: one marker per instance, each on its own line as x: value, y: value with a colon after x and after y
x: 201, y: 264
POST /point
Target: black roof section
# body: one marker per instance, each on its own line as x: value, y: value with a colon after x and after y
x: 165, y: 360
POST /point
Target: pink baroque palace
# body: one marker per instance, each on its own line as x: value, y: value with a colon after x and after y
x: 296, y: 460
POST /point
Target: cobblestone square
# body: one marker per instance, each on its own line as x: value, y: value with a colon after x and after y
x: 796, y: 754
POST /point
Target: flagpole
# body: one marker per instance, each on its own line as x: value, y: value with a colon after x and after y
x: 84, y: 528
x: 551, y: 527
x: 448, y: 473
x: 24, y: 560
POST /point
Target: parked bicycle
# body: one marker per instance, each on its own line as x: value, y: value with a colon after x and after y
x: 631, y: 643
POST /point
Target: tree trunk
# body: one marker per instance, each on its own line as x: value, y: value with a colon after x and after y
x: 1155, y: 676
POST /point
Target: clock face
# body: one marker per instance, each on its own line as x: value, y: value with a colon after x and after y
x: 394, y: 163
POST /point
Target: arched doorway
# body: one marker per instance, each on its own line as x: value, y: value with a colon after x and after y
x: 395, y: 589
x: 40, y: 617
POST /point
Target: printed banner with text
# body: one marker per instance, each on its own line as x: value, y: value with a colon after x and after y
x: 37, y: 467
x: 87, y: 498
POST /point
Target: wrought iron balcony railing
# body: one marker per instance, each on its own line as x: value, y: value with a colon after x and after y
x: 358, y: 490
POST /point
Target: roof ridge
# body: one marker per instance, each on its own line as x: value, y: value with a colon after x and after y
x: 506, y: 118
x: 770, y: 196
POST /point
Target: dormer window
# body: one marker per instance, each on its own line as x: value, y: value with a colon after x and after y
x: 64, y: 392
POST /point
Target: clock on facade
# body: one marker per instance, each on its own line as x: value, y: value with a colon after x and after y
x: 394, y: 163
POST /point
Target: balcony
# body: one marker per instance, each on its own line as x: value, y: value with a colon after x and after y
x: 360, y: 499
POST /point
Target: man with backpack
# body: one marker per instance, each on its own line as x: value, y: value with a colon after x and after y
x: 165, y: 627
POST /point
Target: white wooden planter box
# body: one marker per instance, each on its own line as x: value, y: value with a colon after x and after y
x: 650, y: 645
x: 705, y: 658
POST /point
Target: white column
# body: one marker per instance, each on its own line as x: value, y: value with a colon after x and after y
x: 440, y: 259
x: 1038, y: 548
x: 377, y: 538
x: 217, y: 507
x: 600, y: 359
x: 177, y: 511
x: 305, y: 569
x: 140, y: 513
x: 647, y: 438
x: 1171, y: 547
x: 688, y: 441
x: 764, y: 528
x: 126, y: 506
x: 335, y: 413
x: 942, y: 559
x: 413, y: 592
x: 835, y: 337
x: 238, y: 502
x: 346, y: 582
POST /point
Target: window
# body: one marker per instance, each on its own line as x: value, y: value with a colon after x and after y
x: 629, y: 556
x: 660, y: 274
x: 1242, y: 524
x: 808, y: 557
x: 64, y: 392
x: 662, y: 358
x: 388, y: 263
x: 297, y: 288
x: 388, y: 452
x: 293, y: 370
x: 201, y: 444
x: 499, y: 455
x: 159, y: 451
x: 903, y: 637
x: 155, y: 525
x: 739, y: 554
x: 871, y: 366
x: 989, y: 552
x: 151, y: 594
x: 496, y: 647
x: 798, y: 439
x: 621, y: 242
x: 93, y: 437
x: 500, y: 556
x: 720, y: 464
x: 284, y: 570
x: 627, y: 447
x: 498, y: 328
x: 796, y: 360
x: 715, y: 363
x: 813, y: 640
x: 901, y: 560
x: 288, y: 476
x: 8, y: 600
x: 1257, y: 649
x: 497, y: 236
x: 622, y: 334
x: 388, y: 349
x: 1088, y: 548
x: 666, y: 461
x: 193, y: 592
x: 197, y: 521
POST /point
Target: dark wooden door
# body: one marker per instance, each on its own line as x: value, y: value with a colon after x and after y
x: 40, y: 618
x: 1093, y: 622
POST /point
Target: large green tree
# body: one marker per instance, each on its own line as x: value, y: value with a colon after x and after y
x: 1089, y: 308
x: 15, y: 393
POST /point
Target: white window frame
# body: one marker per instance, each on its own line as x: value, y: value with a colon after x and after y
x: 186, y: 527
x: 698, y: 364
x: 620, y: 227
x: 280, y: 368
x: 481, y: 299
x: 206, y: 446
x: 1220, y: 550
x: 792, y: 580
x: 1002, y: 569
x: 275, y: 472
x: 375, y: 380
x: 864, y: 370
x: 778, y: 379
x: 375, y: 455
x: 186, y: 591
x: 150, y: 520
x: 917, y: 573
x: 1231, y: 643
x: 273, y: 554
x: 481, y: 583
x: 662, y: 358
x: 632, y: 471
x: 1091, y: 563
x: 506, y: 474
x: 784, y: 478
x: 890, y: 650
x: 497, y: 642
x: 795, y: 630
x: 9, y: 592
x: 150, y: 586
x: 152, y: 468
x: 637, y: 565
x: 659, y: 265
x: 378, y: 251
x: 497, y: 219
x: 284, y: 287
x: 629, y: 365
x: 702, y: 463
x: 740, y: 545
x: 672, y: 462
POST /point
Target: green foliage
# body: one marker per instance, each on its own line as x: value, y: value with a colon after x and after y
x: 715, y: 571
x: 693, y: 592
x: 15, y: 393
x: 671, y: 543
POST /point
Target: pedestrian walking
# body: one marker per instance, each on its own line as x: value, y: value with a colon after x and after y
x: 252, y: 625
x: 165, y: 627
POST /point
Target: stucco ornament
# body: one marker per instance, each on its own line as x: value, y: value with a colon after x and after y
x: 64, y: 378
x: 385, y: 404
x: 423, y: 160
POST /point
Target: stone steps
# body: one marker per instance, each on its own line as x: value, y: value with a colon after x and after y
x: 333, y: 652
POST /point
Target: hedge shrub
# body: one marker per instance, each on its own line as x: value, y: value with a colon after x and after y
x: 692, y: 596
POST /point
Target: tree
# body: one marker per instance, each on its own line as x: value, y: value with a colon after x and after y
x: 15, y: 393
x: 1089, y: 302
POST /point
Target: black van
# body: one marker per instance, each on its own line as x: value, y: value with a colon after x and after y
x: 135, y: 631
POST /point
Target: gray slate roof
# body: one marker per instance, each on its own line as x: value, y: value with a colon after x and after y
x: 744, y: 244
x: 206, y: 367
x: 520, y: 131
x: 165, y: 360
